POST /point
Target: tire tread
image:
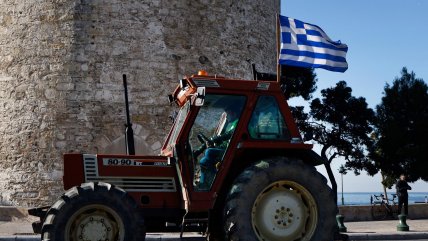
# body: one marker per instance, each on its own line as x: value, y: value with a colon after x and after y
x: 237, y: 223
x: 88, y: 193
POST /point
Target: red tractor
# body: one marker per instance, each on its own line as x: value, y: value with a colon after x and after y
x: 234, y: 163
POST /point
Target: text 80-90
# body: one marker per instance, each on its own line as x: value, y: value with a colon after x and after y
x: 120, y: 162
x: 129, y: 162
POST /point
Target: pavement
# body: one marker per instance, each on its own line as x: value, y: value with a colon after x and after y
x: 15, y: 225
x: 387, y: 230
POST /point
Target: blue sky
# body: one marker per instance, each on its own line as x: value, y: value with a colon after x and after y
x: 383, y: 36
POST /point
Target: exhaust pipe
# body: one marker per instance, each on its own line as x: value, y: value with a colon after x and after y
x: 129, y: 132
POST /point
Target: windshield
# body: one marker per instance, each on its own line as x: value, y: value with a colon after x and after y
x: 216, y: 122
x: 179, y: 121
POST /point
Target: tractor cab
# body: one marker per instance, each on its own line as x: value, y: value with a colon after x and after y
x: 221, y: 120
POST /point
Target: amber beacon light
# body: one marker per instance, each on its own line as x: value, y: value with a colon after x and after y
x: 202, y: 73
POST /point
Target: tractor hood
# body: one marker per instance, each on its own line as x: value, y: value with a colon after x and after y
x: 132, y: 173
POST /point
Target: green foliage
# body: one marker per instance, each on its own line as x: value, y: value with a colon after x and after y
x: 389, y: 181
x: 302, y: 121
x: 342, y: 170
x: 342, y: 124
x: 402, y: 129
x: 298, y: 82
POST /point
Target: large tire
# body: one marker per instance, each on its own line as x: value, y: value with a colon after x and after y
x: 280, y: 199
x: 94, y: 211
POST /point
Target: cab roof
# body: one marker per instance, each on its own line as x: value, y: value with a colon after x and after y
x: 188, y: 86
x: 233, y: 84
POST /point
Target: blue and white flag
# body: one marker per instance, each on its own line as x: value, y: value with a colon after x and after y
x: 307, y: 45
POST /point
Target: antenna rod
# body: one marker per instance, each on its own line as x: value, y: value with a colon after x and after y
x: 129, y: 133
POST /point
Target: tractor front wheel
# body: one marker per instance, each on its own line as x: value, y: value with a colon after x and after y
x: 280, y: 199
x: 92, y: 212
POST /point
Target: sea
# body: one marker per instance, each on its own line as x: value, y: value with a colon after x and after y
x: 363, y: 198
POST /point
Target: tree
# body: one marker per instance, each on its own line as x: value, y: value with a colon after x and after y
x: 298, y: 82
x: 402, y: 129
x: 294, y: 81
x: 341, y: 124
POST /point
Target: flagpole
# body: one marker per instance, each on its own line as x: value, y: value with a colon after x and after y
x: 278, y: 41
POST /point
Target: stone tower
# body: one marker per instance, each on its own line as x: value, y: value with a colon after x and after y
x: 61, y: 66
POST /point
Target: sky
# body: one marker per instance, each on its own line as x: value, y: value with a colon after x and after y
x: 383, y: 36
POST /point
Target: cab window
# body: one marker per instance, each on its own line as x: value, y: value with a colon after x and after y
x: 210, y: 136
x: 266, y: 121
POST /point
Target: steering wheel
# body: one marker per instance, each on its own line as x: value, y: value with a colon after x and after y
x: 205, y: 140
x: 206, y: 143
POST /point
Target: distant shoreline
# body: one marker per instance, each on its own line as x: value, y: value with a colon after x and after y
x: 363, y: 198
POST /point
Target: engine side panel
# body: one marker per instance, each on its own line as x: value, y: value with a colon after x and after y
x: 150, y: 180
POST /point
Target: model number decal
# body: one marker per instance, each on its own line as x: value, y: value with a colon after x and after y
x: 130, y: 162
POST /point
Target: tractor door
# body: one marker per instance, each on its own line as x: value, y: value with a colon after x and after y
x: 209, y: 139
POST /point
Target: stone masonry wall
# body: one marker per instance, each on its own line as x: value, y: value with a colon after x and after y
x: 61, y: 66
x: 35, y: 42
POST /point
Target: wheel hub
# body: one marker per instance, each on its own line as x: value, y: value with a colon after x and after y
x: 95, y: 223
x: 95, y: 228
x: 283, y: 217
x: 282, y: 213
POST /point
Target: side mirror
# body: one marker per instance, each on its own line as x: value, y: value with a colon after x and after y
x: 171, y: 98
x: 183, y: 84
x: 200, y: 96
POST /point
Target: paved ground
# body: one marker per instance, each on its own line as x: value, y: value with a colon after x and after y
x: 19, y: 229
x: 387, y: 230
x: 379, y: 230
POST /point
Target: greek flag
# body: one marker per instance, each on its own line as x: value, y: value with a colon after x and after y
x: 307, y: 45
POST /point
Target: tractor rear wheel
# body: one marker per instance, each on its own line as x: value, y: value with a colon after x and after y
x: 92, y: 212
x: 280, y: 199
